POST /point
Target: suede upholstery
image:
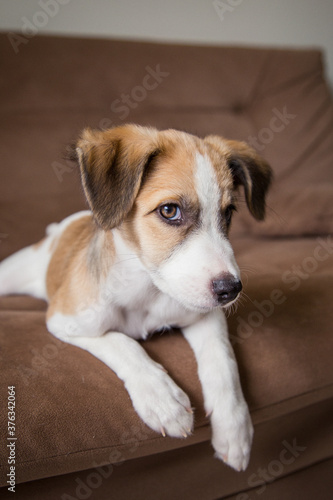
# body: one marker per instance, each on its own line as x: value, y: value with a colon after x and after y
x: 73, y: 416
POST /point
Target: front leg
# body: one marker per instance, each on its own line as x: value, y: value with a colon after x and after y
x: 157, y: 399
x: 232, y: 429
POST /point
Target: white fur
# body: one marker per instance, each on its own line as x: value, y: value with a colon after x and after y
x: 134, y: 302
x: 24, y: 272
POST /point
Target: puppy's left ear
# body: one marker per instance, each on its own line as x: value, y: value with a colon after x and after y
x: 248, y: 169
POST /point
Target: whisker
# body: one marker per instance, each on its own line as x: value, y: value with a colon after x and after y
x: 247, y: 269
x: 244, y: 298
x: 246, y: 272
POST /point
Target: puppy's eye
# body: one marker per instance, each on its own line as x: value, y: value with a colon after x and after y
x: 228, y: 214
x: 171, y: 212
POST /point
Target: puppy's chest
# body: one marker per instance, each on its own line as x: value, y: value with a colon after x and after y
x: 134, y: 306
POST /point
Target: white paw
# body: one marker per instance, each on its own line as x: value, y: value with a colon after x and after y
x: 161, y: 404
x: 232, y: 435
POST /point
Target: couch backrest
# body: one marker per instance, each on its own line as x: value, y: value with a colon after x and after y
x: 277, y: 100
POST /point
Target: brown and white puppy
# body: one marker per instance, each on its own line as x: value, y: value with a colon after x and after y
x: 152, y: 253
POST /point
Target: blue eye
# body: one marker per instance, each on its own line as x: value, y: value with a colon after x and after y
x: 171, y: 212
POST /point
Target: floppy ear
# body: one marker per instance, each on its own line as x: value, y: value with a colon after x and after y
x: 249, y: 170
x: 112, y: 165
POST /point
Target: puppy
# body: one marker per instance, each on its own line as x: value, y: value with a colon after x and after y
x: 152, y: 253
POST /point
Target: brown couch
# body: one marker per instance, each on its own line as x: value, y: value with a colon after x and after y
x: 77, y: 433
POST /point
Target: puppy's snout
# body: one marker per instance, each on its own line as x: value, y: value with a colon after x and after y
x: 226, y: 288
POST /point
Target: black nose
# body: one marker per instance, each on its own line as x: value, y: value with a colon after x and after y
x: 226, y: 288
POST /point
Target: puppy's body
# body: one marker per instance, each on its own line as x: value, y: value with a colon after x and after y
x: 152, y: 254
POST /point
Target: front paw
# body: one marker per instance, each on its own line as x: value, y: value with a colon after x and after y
x: 161, y: 404
x: 232, y: 435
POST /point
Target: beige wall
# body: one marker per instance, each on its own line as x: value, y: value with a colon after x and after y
x: 296, y: 23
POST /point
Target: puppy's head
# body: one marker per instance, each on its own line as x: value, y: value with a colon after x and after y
x: 172, y: 196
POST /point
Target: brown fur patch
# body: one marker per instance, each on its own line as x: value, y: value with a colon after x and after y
x: 81, y: 259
